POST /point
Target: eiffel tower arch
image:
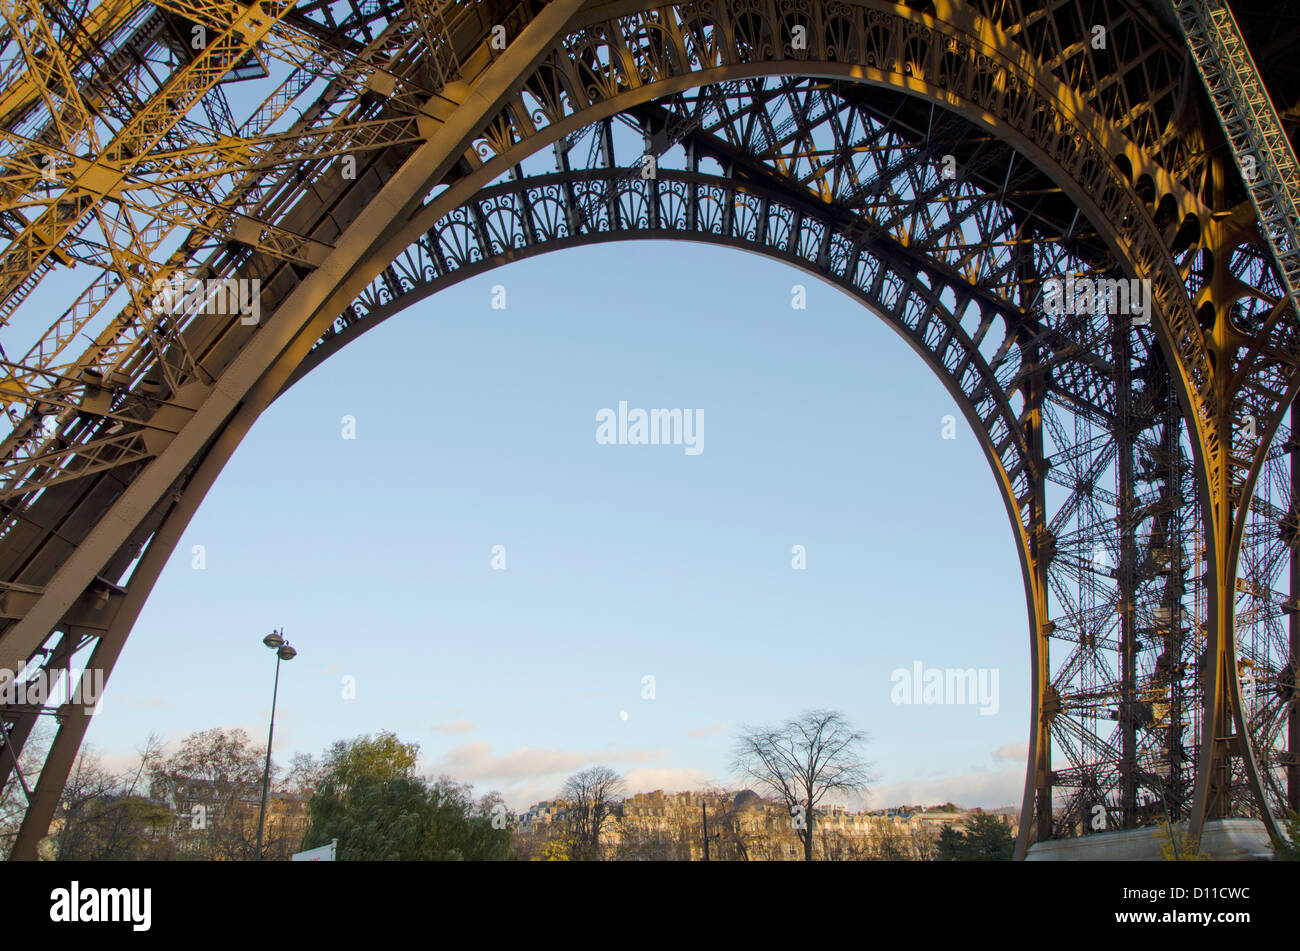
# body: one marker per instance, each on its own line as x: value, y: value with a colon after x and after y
x: 941, y: 162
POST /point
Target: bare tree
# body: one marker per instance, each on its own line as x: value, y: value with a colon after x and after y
x: 801, y: 761
x: 214, y: 780
x: 728, y: 841
x: 925, y: 844
x: 735, y: 840
x: 838, y: 846
x: 306, y: 773
x: 892, y: 845
x: 102, y: 815
x: 592, y: 796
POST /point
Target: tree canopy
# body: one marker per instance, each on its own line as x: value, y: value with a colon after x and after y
x: 369, y: 797
x: 984, y: 838
x: 801, y: 761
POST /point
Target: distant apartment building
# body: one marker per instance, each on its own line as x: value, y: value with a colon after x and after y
x: 542, y: 815
x: 744, y: 826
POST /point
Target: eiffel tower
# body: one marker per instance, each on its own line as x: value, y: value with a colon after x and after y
x: 952, y: 164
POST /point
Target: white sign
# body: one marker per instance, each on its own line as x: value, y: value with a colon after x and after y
x: 323, y: 854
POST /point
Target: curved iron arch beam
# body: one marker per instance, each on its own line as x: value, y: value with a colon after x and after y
x: 862, y: 265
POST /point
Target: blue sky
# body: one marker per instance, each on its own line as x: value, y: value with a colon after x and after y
x: 476, y: 427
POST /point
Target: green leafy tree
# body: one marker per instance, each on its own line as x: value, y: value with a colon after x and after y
x: 369, y: 797
x: 382, y: 757
x: 462, y: 828
x: 982, y: 838
x: 557, y: 849
x: 372, y: 819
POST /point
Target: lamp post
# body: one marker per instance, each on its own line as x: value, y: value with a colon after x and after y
x: 276, y: 642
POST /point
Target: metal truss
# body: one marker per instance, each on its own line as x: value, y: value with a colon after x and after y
x: 1149, y: 503
x: 1259, y: 144
x: 1124, y: 699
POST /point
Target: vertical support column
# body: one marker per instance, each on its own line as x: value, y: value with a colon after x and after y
x: 1040, y: 548
x: 1179, y: 555
x: 1049, y: 703
x: 1036, y: 807
x: 1224, y: 734
x: 1126, y: 575
x: 1213, y: 773
x: 1291, y: 681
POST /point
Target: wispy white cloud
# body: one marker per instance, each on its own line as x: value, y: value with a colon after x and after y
x: 451, y: 729
x: 985, y: 790
x: 526, y: 775
x: 650, y: 778
x: 1011, y: 753
x: 475, y: 761
x: 707, y: 730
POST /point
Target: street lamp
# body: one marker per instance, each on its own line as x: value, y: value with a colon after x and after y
x: 275, y: 640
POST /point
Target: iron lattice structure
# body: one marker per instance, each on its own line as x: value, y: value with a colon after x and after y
x: 940, y: 161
